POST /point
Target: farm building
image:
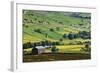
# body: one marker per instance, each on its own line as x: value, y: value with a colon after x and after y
x: 39, y: 49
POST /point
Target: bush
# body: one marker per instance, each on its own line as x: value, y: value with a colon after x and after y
x: 54, y: 49
x: 84, y: 35
x: 87, y: 48
x: 47, y: 43
x: 27, y: 45
x: 43, y: 43
x: 51, y: 29
x: 64, y: 36
x: 61, y: 40
x: 70, y: 36
x: 26, y: 26
x: 60, y: 22
x: 38, y: 30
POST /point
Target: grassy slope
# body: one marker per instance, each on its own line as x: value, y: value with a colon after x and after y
x: 68, y: 24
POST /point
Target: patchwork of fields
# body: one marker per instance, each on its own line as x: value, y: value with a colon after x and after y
x: 64, y: 32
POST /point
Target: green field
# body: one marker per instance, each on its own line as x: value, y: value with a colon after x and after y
x: 68, y: 32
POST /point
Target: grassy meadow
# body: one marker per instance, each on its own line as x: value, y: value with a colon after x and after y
x: 56, y: 35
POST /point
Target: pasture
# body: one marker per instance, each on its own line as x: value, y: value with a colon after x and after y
x: 68, y: 35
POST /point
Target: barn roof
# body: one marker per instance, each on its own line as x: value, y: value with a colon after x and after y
x: 41, y: 47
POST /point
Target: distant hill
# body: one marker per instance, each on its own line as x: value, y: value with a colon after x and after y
x: 49, y: 25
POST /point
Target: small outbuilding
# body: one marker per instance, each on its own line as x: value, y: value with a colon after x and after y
x: 38, y: 49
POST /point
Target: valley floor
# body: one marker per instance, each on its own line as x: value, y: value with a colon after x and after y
x: 56, y: 57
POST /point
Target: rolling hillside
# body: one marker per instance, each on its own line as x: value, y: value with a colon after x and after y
x: 46, y: 25
x: 54, y: 36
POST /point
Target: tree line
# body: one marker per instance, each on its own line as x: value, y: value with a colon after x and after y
x: 41, y: 43
x: 80, y: 34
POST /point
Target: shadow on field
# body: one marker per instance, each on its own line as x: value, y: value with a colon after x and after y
x: 55, y: 57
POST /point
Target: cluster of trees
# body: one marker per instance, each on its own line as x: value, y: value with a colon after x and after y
x: 50, y: 29
x: 87, y: 48
x: 81, y: 34
x: 78, y: 15
x: 27, y: 20
x: 42, y: 43
x: 85, y: 35
x: 27, y: 45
